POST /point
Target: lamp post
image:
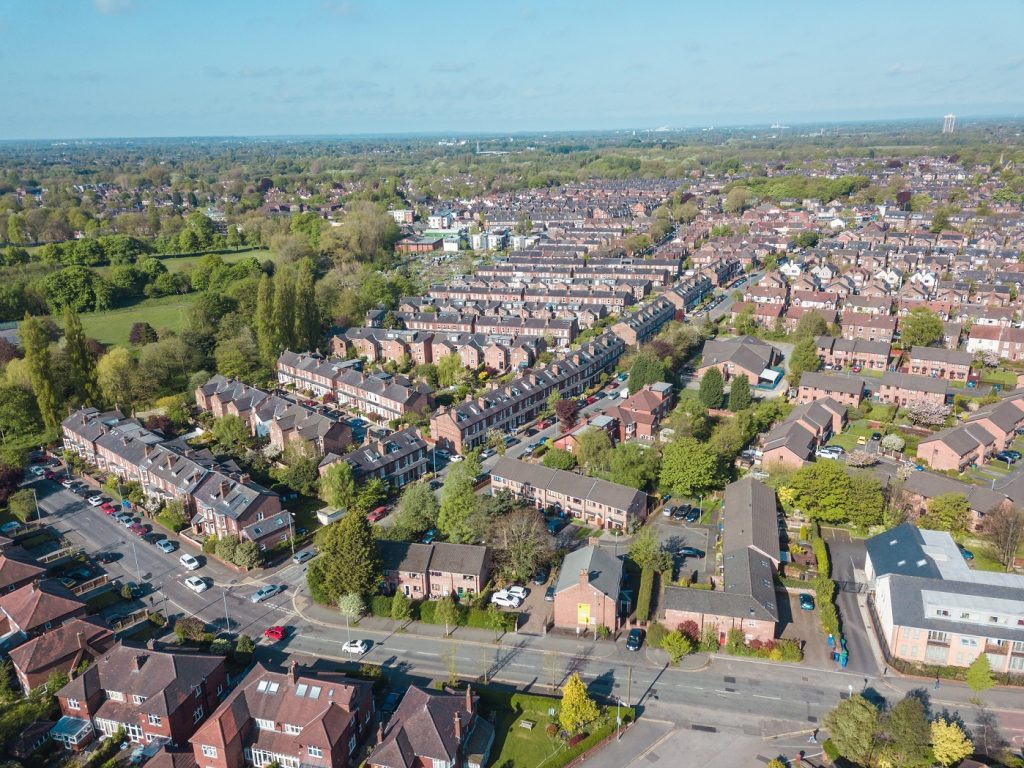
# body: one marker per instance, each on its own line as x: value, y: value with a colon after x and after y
x: 135, y: 555
x: 227, y: 619
x: 39, y: 514
x: 291, y: 532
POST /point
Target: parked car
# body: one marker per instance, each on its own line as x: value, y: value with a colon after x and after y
x: 681, y: 513
x: 693, y: 515
x: 196, y: 584
x: 377, y: 515
x: 304, y: 555
x: 1005, y: 456
x: 967, y: 554
x: 429, y: 536
x: 690, y: 552
x: 1015, y: 454
x: 10, y: 527
x: 806, y: 601
x: 95, y: 501
x: 876, y: 436
x: 486, y: 453
x: 391, y: 702
x: 556, y: 525
x: 67, y: 483
x: 862, y: 440
x: 108, y: 508
x: 356, y: 647
x: 549, y: 594
x: 138, y: 529
x: 518, y: 591
x: 635, y: 639
x: 267, y: 590
x: 668, y: 510
x: 275, y: 633
x: 165, y: 545
x: 541, y: 576
x: 106, y: 558
x: 506, y: 600
x: 189, y: 562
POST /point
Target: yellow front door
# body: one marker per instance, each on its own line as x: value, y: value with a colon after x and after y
x: 583, y: 613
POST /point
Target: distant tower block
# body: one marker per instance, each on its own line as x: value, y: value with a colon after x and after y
x: 949, y: 123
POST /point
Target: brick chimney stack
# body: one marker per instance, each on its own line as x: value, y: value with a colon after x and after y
x: 81, y: 640
x: 293, y: 671
x: 584, y: 577
x: 469, y: 698
x: 458, y: 727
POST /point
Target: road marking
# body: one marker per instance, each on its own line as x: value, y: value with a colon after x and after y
x: 762, y: 696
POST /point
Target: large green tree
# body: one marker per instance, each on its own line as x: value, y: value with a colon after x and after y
x: 739, y: 393
x: 906, y: 735
x: 578, y: 709
x: 823, y: 491
x: 979, y: 674
x: 307, y: 318
x: 949, y: 742
x: 282, y: 318
x: 594, y: 448
x: 263, y: 321
x: 949, y: 512
x: 646, y: 369
x: 417, y: 510
x: 632, y: 464
x: 803, y: 359
x: 19, y: 413
x: 81, y: 363
x: 348, y: 563
x: 338, y: 486
x: 36, y: 343
x: 711, y: 389
x: 920, y: 328
x: 689, y: 467
x: 853, y: 728
x: 459, y: 502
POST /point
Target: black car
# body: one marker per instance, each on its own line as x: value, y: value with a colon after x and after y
x: 876, y: 436
x: 554, y: 526
x: 693, y: 515
x: 107, y: 557
x: 549, y: 594
x: 391, y: 702
x: 541, y: 576
x: 681, y: 512
x: 690, y: 552
x: 634, y: 640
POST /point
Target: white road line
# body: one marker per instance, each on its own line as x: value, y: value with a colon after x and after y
x: 762, y: 696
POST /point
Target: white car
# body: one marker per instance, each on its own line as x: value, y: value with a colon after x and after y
x: 189, y: 562
x: 455, y: 459
x: 94, y: 501
x: 517, y: 591
x: 505, y: 600
x: 356, y: 647
x: 196, y: 584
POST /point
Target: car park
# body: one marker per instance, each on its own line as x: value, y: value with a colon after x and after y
x: 693, y: 515
x: 506, y: 600
x: 356, y: 647
x: 303, y: 556
x: 275, y: 633
x: 634, y: 639
x: 189, y: 562
x: 690, y: 552
x: 165, y: 545
x: 806, y: 601
x: 196, y: 584
x: 266, y: 591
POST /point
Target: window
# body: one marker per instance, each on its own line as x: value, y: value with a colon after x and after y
x: 136, y: 699
x: 352, y: 744
x: 72, y: 703
x: 941, y: 612
x: 115, y: 695
x: 315, y: 752
x: 293, y: 729
x: 197, y: 715
x: 265, y: 725
x: 993, y: 619
x: 198, y: 692
x: 969, y: 642
x: 209, y: 751
x: 154, y: 720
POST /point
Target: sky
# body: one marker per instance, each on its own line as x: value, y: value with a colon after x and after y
x: 126, y: 68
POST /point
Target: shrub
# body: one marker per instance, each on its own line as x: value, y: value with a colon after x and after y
x: 189, y: 628
x: 156, y: 619
x: 380, y: 605
x: 210, y: 545
x: 709, y: 640
x: 244, y: 646
x: 551, y: 730
x: 427, y: 610
x: 677, y: 645
x: 574, y: 740
x: 734, y: 642
x: 603, y: 632
x: 831, y: 751
x: 788, y: 650
x: 643, y: 600
x: 220, y: 646
x: 656, y: 634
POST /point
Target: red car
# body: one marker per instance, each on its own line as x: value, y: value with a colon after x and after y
x: 273, y: 634
x: 138, y: 529
x: 378, y: 514
x: 108, y: 508
x: 49, y: 475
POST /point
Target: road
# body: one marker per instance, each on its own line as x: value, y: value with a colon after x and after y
x: 141, y: 562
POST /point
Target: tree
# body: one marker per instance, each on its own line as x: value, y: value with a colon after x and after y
x: 677, y: 645
x: 450, y: 370
x: 811, y: 325
x: 822, y: 490
x: 348, y: 562
x: 949, y: 742
x: 737, y: 200
x: 19, y: 413
x: 893, y: 442
x: 920, y: 328
x: 497, y: 619
x: 401, y: 607
x: 307, y: 319
x: 949, y: 512
x: 632, y: 464
x: 689, y: 467
x: 927, y: 412
x: 646, y: 551
x: 142, y: 333
x: 81, y: 362
x: 646, y: 369
x: 520, y: 542
x: 231, y: 434
x: 282, y: 318
x: 116, y: 375
x: 417, y: 510
x: 906, y: 735
x: 594, y: 447
x: 862, y: 458
x: 739, y: 393
x: 559, y: 458
x: 447, y: 612
x: 372, y: 493
x: 351, y: 606
x: 244, y: 647
x: 578, y: 709
x: 711, y: 388
x: 803, y: 359
x: 459, y: 501
x: 868, y: 501
x: 853, y: 728
x: 248, y: 555
x: 568, y: 414
x: 337, y: 486
x: 22, y: 504
x: 263, y: 321
x: 1003, y: 527
x: 979, y: 674
x: 36, y: 343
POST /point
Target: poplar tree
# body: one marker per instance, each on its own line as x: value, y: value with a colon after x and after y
x: 282, y: 319
x: 36, y: 344
x: 83, y: 364
x: 263, y: 322
x: 307, y: 320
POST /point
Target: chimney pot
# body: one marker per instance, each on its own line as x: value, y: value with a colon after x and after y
x: 469, y: 698
x: 583, y: 577
x: 380, y: 732
x: 138, y: 661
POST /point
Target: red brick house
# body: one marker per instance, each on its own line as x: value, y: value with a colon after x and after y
x: 60, y: 650
x: 35, y: 608
x: 815, y: 385
x: 857, y: 325
x: 846, y: 353
x: 941, y: 363
x: 16, y: 573
x: 434, y: 570
x: 639, y: 416
x: 588, y: 592
x: 957, y: 448
x: 151, y: 694
x: 903, y: 388
x: 292, y: 719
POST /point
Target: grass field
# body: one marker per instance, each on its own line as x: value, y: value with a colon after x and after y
x: 113, y: 325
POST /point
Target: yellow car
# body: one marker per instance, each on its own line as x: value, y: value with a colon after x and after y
x: 862, y: 440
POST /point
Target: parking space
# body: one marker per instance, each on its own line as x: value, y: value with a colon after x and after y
x: 803, y: 626
x: 676, y: 534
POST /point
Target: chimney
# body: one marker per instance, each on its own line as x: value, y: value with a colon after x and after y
x: 380, y: 732
x: 469, y: 698
x: 224, y: 487
x: 293, y: 671
x: 458, y: 727
x: 583, y: 577
x: 244, y: 478
x: 81, y: 640
x: 148, y: 449
x: 137, y: 662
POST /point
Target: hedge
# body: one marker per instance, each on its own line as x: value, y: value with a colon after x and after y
x: 426, y: 611
x: 643, y: 600
x: 380, y: 605
x: 824, y: 586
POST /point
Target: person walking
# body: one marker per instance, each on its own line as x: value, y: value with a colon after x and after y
x: 936, y: 683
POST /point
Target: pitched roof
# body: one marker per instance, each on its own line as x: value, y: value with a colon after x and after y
x: 831, y: 382
x: 422, y: 729
x: 35, y: 604
x: 604, y: 571
x: 620, y: 497
x: 901, y: 550
x: 78, y: 636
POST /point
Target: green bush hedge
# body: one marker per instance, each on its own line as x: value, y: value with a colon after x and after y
x: 643, y: 600
x: 380, y: 605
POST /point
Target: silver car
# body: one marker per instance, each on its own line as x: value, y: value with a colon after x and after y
x: 267, y: 590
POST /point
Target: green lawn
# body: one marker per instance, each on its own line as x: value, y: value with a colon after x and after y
x: 112, y: 326
x: 984, y: 560
x: 848, y: 438
x: 178, y: 263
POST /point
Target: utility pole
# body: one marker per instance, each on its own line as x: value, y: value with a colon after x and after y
x: 138, y: 572
x: 227, y: 619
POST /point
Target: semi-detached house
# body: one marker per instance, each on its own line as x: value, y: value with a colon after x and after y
x: 397, y: 460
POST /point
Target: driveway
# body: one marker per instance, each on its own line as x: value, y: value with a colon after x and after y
x: 848, y: 557
x: 804, y: 627
x: 674, y: 534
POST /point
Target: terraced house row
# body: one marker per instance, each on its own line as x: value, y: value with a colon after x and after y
x: 219, y: 499
x: 465, y: 426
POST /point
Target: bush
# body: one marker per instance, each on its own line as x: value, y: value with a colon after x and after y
x: 656, y: 634
x: 643, y: 600
x: 190, y: 628
x: 551, y: 730
x: 380, y: 605
x: 244, y: 647
x: 156, y: 619
x: 709, y: 640
x: 831, y: 752
x: 220, y: 646
x: 210, y: 545
x: 427, y: 609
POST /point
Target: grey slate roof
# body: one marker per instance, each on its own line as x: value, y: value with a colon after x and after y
x: 900, y: 550
x: 914, y: 383
x: 620, y: 497
x: 831, y: 382
x: 604, y: 571
x: 751, y: 517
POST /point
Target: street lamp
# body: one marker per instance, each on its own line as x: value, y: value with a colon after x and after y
x: 138, y: 573
x: 227, y: 619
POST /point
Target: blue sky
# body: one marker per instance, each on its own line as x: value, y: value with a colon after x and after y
x: 100, y: 68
